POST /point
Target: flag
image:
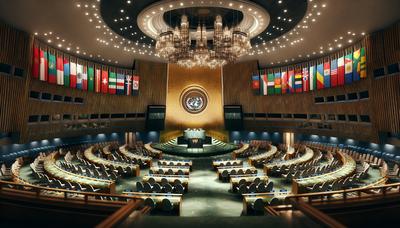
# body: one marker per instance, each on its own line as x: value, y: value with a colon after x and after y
x: 255, y: 85
x: 36, y: 62
x: 271, y: 84
x: 43, y: 66
x: 264, y: 82
x: 340, y: 70
x: 306, y: 84
x: 320, y: 76
x: 79, y: 76
x: 327, y: 74
x: 60, y: 70
x: 291, y: 82
x: 135, y: 85
x: 104, y: 81
x: 278, y: 84
x: 313, y: 77
x: 72, y: 74
x: 298, y: 81
x: 356, y: 65
x: 91, y: 78
x: 84, y: 78
x: 128, y: 85
x: 284, y: 78
x: 120, y: 84
x: 363, y: 64
x: 66, y: 71
x: 97, y: 80
x: 112, y: 83
x: 334, y: 73
x: 52, y: 69
x: 348, y: 68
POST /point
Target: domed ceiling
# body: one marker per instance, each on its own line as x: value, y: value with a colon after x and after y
x: 119, y: 31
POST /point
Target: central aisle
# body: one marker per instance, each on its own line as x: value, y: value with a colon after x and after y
x: 207, y: 195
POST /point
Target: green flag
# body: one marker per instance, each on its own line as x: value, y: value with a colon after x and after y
x: 91, y: 78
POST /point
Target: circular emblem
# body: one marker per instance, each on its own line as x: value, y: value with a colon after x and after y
x: 194, y: 100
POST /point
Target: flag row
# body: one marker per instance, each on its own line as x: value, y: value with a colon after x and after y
x: 328, y: 73
x: 57, y: 68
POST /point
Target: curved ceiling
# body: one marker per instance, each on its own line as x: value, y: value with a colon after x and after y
x: 324, y: 26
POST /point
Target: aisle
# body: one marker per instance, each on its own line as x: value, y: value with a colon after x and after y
x: 207, y: 195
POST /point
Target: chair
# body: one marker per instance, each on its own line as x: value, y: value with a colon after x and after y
x: 252, y: 188
x: 261, y: 187
x: 269, y: 187
x: 242, y: 189
x: 146, y: 187
x: 258, y: 204
x: 180, y: 172
x: 242, y: 181
x: 177, y: 182
x: 139, y: 186
x: 274, y: 201
x: 179, y: 189
x: 166, y: 205
x: 152, y: 181
x: 167, y: 188
x: 156, y: 188
x: 150, y: 202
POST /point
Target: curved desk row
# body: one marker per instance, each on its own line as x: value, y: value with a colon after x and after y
x: 241, y: 150
x: 306, y: 157
x: 136, y: 157
x: 154, y: 152
x: 263, y: 156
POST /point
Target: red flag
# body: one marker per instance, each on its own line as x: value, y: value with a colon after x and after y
x: 36, y: 62
x: 284, y: 76
x: 72, y: 74
x: 104, y: 81
x: 85, y: 78
x: 97, y: 80
x: 306, y: 80
x: 341, y: 71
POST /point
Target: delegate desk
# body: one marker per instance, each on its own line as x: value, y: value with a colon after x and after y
x: 347, y: 169
x: 175, y: 163
x: 237, y: 180
x: 57, y: 172
x: 154, y: 152
x: 180, y: 170
x: 162, y: 201
x: 171, y: 179
x: 135, y: 157
x: 224, y: 163
x: 306, y: 157
x: 241, y: 150
x: 225, y: 172
x: 101, y: 161
x: 263, y: 156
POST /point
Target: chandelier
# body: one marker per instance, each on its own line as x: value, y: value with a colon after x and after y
x: 226, y: 47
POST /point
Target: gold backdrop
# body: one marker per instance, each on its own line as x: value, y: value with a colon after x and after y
x: 179, y: 79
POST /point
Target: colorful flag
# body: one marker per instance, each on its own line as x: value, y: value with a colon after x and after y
x: 284, y: 77
x: 52, y: 69
x: 356, y: 65
x: 264, y: 82
x: 66, y: 71
x: 97, y: 80
x: 91, y: 78
x: 36, y: 62
x: 104, y: 81
x: 120, y: 84
x: 363, y: 64
x: 291, y: 82
x: 112, y: 83
x: 348, y: 68
x: 271, y: 83
x: 128, y: 85
x: 320, y: 76
x: 340, y: 70
x: 72, y: 74
x: 306, y: 84
x: 277, y: 83
x: 313, y: 77
x: 60, y: 70
x: 334, y: 73
x: 79, y: 76
x: 84, y: 78
x: 327, y: 74
x: 298, y: 81
x: 135, y: 85
x: 43, y: 65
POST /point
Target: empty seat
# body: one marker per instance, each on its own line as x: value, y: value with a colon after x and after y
x: 258, y: 205
x: 166, y: 205
x: 149, y: 202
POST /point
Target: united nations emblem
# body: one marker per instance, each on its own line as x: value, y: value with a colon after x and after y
x: 194, y: 100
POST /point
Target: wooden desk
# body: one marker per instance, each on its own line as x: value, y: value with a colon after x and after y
x: 224, y: 163
x: 175, y: 163
x: 263, y: 156
x: 239, y: 151
x: 154, y: 152
x: 235, y: 179
x: 175, y: 169
x: 306, y: 157
x: 133, y: 156
x: 170, y: 178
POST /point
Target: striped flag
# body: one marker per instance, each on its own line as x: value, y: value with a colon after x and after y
x: 66, y: 71
x: 306, y: 84
x: 104, y: 81
x: 284, y: 77
x: 120, y: 84
x: 135, y: 85
x: 320, y: 76
x: 112, y: 83
x: 363, y: 64
x: 72, y: 75
x: 264, y: 82
x: 79, y: 76
x: 341, y: 71
x: 36, y: 62
x: 128, y: 85
x: 327, y: 74
x: 60, y: 70
x: 84, y: 78
x: 348, y: 68
x: 298, y: 81
x: 43, y: 65
x: 271, y: 83
x: 334, y: 73
x: 91, y: 78
x: 313, y: 77
x: 356, y: 65
x: 291, y: 82
x: 277, y: 83
x: 97, y: 80
x: 52, y: 69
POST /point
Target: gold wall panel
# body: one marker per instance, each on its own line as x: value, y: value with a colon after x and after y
x: 179, y: 79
